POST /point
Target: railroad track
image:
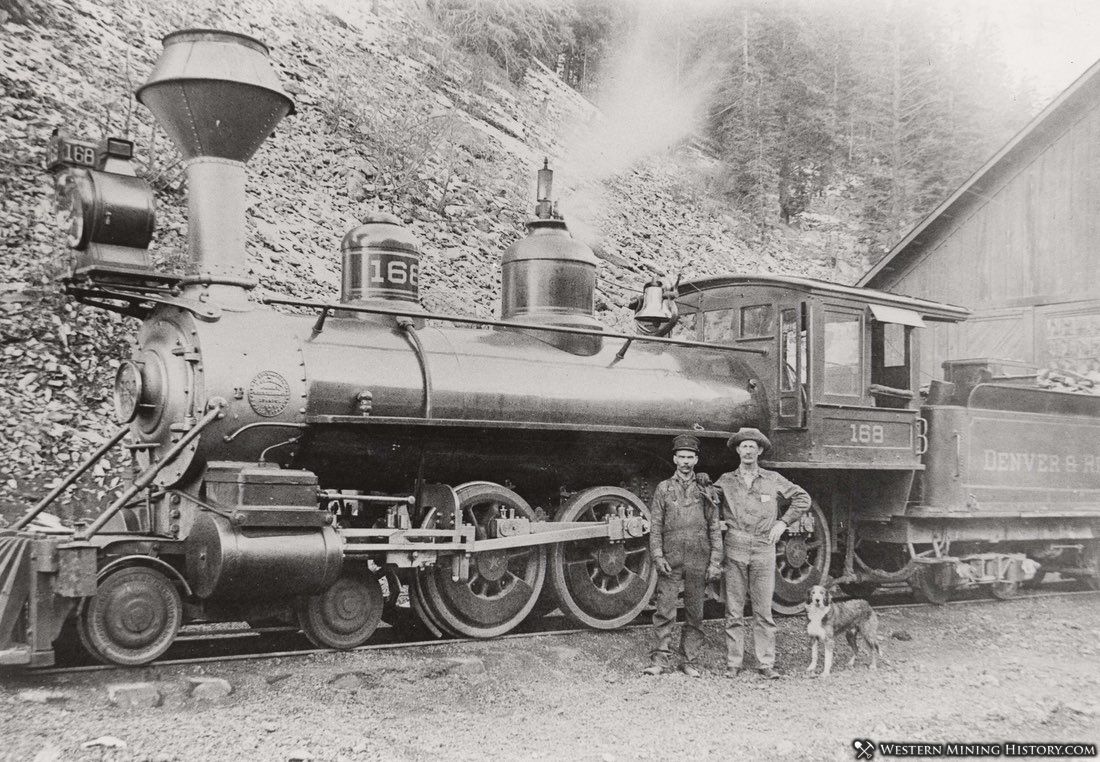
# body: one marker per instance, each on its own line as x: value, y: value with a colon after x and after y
x: 885, y: 601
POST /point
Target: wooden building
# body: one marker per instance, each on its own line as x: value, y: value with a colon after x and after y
x: 1018, y: 244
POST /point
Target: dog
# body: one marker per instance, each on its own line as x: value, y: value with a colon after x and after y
x: 855, y: 618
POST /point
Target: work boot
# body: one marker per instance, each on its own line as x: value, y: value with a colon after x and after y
x: 733, y: 672
x: 653, y: 669
x: 690, y: 671
x: 769, y: 673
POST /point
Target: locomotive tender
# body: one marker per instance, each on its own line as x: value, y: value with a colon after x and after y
x: 289, y: 464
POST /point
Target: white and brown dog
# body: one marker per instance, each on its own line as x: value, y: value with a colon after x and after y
x: 855, y: 618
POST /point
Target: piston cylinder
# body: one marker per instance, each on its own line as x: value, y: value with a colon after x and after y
x: 225, y: 562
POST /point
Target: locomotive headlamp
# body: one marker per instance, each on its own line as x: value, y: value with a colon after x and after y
x: 73, y: 195
x: 107, y: 204
x: 106, y: 209
x: 127, y: 392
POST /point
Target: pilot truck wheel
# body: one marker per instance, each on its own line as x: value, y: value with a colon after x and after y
x: 133, y: 617
x: 346, y: 614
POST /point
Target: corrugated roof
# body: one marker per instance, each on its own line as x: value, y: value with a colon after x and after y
x: 1028, y: 143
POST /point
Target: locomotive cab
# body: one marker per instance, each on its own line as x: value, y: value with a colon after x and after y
x: 841, y: 370
x: 842, y: 386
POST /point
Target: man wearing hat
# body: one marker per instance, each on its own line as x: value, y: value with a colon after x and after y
x: 685, y: 540
x: 748, y: 497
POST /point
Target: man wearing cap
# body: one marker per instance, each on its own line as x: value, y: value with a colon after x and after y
x: 748, y: 498
x: 685, y: 540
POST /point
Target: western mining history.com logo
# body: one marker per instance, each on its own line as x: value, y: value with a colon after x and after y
x: 866, y: 749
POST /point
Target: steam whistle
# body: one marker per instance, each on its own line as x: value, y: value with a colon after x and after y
x: 656, y: 313
x: 545, y: 208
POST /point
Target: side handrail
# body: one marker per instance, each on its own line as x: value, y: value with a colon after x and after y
x: 214, y: 411
x: 75, y: 474
x: 463, y: 319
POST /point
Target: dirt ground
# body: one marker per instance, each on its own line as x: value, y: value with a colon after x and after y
x: 1025, y: 670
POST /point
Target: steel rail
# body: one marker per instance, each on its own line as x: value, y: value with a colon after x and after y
x: 233, y: 634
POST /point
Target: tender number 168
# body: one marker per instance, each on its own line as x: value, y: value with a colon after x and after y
x: 866, y: 433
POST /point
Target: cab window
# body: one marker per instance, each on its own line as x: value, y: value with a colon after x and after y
x: 718, y: 326
x: 843, y: 376
x: 792, y: 345
x: 890, y: 364
x: 756, y: 321
x: 686, y: 327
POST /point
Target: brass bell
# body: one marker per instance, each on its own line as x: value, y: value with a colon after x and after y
x: 658, y: 312
x: 653, y: 309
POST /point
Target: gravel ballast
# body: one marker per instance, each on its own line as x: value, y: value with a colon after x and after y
x: 1026, y: 670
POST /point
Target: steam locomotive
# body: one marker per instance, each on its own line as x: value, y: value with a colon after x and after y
x: 319, y: 464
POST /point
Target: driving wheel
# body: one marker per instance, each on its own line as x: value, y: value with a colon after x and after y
x: 503, y: 585
x: 599, y: 583
x: 801, y: 559
x: 133, y: 617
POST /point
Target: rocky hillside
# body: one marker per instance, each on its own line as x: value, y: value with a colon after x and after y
x: 389, y: 117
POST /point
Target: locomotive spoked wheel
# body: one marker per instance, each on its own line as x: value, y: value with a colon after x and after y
x: 599, y: 583
x: 133, y: 617
x: 801, y: 560
x: 503, y: 585
x: 346, y: 614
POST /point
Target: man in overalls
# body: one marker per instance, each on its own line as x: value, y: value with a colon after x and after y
x: 748, y: 505
x: 685, y: 540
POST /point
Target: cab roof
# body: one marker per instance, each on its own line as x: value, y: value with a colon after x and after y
x: 935, y: 311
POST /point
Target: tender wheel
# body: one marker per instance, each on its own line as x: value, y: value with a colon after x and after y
x: 1005, y: 590
x: 133, y: 617
x: 599, y: 583
x: 503, y: 585
x: 346, y: 614
x: 801, y: 560
x: 933, y: 583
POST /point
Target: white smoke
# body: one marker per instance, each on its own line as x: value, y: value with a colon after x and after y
x: 652, y: 96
